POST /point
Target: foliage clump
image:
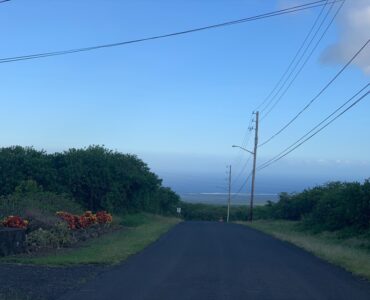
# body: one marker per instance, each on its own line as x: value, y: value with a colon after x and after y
x: 95, y: 178
x: 331, y: 207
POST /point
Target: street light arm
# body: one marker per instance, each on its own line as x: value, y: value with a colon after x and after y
x: 236, y: 146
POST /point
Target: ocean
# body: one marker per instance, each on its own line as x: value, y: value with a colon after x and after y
x: 222, y: 198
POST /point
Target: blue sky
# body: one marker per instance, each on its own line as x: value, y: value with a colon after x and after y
x: 180, y: 103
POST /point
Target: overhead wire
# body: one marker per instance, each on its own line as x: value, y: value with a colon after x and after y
x: 294, y: 58
x: 304, y: 63
x: 286, y: 71
x: 307, y: 136
x: 234, y: 22
x: 242, y: 186
x: 317, y: 95
x: 242, y: 170
x: 244, y: 143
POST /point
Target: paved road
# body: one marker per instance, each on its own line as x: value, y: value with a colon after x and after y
x: 205, y: 260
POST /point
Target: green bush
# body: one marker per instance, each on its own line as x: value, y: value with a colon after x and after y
x: 95, y: 177
x: 57, y: 237
x: 346, y: 205
x: 333, y: 206
x: 29, y: 197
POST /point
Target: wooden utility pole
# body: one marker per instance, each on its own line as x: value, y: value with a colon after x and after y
x: 254, y: 168
x: 229, y: 200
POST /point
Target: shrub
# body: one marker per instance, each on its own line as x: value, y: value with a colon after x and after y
x: 333, y: 206
x: 95, y: 177
x: 15, y: 222
x: 346, y: 205
x: 30, y: 197
x: 86, y: 220
x: 57, y: 237
x: 103, y: 217
x: 38, y: 219
x: 72, y: 221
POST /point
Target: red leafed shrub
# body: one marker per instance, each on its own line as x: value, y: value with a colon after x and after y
x: 15, y: 222
x: 103, y: 217
x: 72, y: 220
x: 90, y: 218
x: 86, y: 220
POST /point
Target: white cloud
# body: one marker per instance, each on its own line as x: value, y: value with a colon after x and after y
x: 354, y: 30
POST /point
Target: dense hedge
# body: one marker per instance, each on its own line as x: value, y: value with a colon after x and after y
x: 97, y: 178
x: 333, y: 206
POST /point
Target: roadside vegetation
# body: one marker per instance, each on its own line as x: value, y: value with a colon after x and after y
x: 94, y: 178
x: 111, y: 248
x: 63, y: 199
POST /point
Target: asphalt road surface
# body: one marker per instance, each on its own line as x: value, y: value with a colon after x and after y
x: 207, y: 260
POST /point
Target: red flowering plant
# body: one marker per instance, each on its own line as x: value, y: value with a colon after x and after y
x: 103, y: 217
x: 15, y: 222
x: 86, y: 220
x: 89, y: 218
x: 72, y: 220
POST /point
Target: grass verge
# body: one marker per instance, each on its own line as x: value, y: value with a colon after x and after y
x: 353, y: 254
x: 109, y: 249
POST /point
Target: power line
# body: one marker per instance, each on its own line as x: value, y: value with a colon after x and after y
x: 299, y: 61
x: 317, y: 96
x: 4, y: 1
x: 234, y: 22
x: 244, y: 143
x: 292, y: 61
x: 304, y: 63
x: 286, y: 71
x: 242, y: 186
x: 286, y: 151
x: 241, y: 171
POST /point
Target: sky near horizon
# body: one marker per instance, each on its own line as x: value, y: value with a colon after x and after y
x: 181, y: 102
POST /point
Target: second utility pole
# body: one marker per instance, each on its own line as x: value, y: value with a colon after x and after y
x: 229, y: 200
x: 254, y: 167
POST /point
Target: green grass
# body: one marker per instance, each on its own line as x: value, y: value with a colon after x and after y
x: 134, y: 220
x: 353, y: 254
x: 109, y: 249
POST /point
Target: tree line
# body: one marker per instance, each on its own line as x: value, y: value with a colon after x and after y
x: 333, y: 206
x: 95, y: 177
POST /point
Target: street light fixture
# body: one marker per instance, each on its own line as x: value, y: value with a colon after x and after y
x: 236, y: 146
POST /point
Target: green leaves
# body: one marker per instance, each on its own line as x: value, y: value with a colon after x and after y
x: 96, y: 177
x: 334, y: 206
